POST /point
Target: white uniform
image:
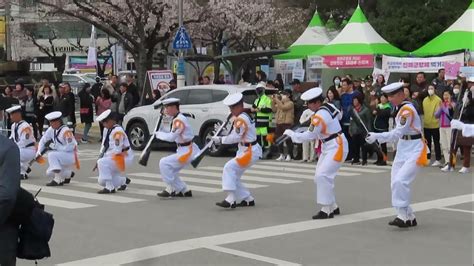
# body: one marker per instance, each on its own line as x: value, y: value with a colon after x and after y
x: 411, y: 156
x: 117, y: 157
x: 244, y: 133
x: 468, y: 130
x: 63, y: 156
x: 22, y: 135
x: 326, y: 127
x: 181, y: 133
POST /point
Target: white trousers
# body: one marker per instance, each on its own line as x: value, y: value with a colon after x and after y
x: 62, y: 163
x: 110, y: 177
x: 404, y: 170
x: 308, y: 150
x: 326, y: 170
x: 233, y: 172
x: 170, y: 167
x: 445, y: 140
x: 26, y: 156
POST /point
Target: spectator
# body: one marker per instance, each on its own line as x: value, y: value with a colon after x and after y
x: 9, y: 187
x: 278, y: 85
x: 357, y: 130
x: 155, y: 95
x: 336, y: 84
x: 72, y: 106
x: 284, y: 111
x: 332, y: 97
x: 431, y: 124
x: 370, y: 95
x: 95, y: 91
x: 45, y: 83
x: 30, y: 109
x: 133, y: 89
x: 346, y: 104
x: 420, y: 86
x: 279, y: 82
x: 200, y: 81
x: 357, y: 85
x: 457, y: 97
x: 414, y: 101
x: 379, y: 84
x: 440, y: 83
x: 63, y: 103
x: 220, y: 80
x: 381, y: 124
x: 270, y: 85
x: 19, y: 92
x: 9, y: 101
x: 445, y: 114
x: 468, y: 118
x: 206, y: 80
x: 173, y: 85
x: 309, y: 153
x: 86, y: 100
x: 297, y: 90
x: 125, y: 103
x: 260, y: 76
x: 103, y: 103
x: 112, y: 87
x: 46, y: 106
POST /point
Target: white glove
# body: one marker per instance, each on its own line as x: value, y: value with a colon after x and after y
x: 371, y: 138
x: 52, y: 146
x: 456, y: 124
x: 289, y: 133
x: 217, y: 140
x: 38, y: 154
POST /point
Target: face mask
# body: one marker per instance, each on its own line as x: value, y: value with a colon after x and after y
x: 362, y: 85
x: 456, y: 91
x: 431, y: 92
x: 337, y: 82
x: 372, y: 93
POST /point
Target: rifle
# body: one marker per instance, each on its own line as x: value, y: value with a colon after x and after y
x: 39, y: 158
x: 379, y: 148
x: 143, y: 160
x: 101, y: 155
x: 195, y: 162
x: 454, y: 133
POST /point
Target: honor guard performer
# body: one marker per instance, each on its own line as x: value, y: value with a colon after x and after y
x: 63, y: 155
x: 243, y: 132
x: 115, y: 155
x: 324, y: 126
x: 467, y: 129
x: 411, y: 153
x: 181, y: 133
x: 22, y: 135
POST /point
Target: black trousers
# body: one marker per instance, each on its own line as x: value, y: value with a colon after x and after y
x: 359, y: 147
x: 350, y: 154
x: 432, y: 135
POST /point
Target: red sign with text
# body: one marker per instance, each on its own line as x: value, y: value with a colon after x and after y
x: 349, y: 61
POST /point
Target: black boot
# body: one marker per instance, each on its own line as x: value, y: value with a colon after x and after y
x: 122, y: 187
x: 245, y: 203
x: 165, y: 194
x: 226, y: 204
x: 337, y: 211
x: 398, y: 222
x: 54, y: 184
x: 127, y: 180
x: 322, y: 215
x: 106, y: 191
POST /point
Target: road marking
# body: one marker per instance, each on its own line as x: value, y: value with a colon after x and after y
x: 247, y: 177
x: 456, y: 210
x: 159, y: 250
x: 284, y: 169
x: 286, y: 174
x: 129, y: 190
x: 62, y: 203
x: 363, y: 169
x: 252, y: 256
x: 80, y: 194
x: 163, y: 185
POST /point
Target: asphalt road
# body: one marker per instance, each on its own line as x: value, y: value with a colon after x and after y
x: 135, y: 227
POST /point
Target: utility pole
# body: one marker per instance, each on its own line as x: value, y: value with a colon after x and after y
x: 181, y: 74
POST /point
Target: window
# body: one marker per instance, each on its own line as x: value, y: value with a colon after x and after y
x: 199, y: 96
x: 182, y: 95
x: 218, y: 95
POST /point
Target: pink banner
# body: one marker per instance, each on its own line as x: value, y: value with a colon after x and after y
x: 349, y: 61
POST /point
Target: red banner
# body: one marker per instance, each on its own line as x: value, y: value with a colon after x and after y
x: 349, y: 61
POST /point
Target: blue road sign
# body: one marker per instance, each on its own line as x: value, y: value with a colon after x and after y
x: 182, y: 41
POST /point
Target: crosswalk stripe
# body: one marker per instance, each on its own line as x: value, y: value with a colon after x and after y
x: 363, y: 169
x: 129, y: 190
x: 284, y: 170
x: 286, y: 174
x: 244, y: 177
x: 197, y: 180
x: 163, y: 185
x: 80, y: 194
x: 62, y: 203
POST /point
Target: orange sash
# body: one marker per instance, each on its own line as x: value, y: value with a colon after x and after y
x: 423, y: 157
x: 340, y: 149
x: 245, y: 159
x: 185, y: 157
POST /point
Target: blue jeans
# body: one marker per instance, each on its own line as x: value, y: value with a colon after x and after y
x: 87, y: 127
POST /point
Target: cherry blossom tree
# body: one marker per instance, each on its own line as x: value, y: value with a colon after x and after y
x: 142, y: 27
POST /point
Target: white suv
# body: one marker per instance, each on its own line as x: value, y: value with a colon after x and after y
x: 204, y: 102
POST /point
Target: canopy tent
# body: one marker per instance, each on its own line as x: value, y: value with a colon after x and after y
x: 358, y: 38
x: 313, y: 38
x: 459, y: 36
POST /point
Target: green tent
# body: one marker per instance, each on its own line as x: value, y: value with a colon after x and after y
x: 358, y: 38
x: 459, y: 36
x: 313, y: 38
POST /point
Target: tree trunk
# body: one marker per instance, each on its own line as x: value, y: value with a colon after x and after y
x: 142, y: 64
x: 217, y: 69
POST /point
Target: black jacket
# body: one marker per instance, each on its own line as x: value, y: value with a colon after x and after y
x: 133, y: 90
x: 86, y: 107
x: 9, y: 186
x: 128, y: 102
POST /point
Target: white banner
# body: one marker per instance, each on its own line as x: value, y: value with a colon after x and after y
x: 378, y: 71
x: 298, y: 74
x: 287, y: 66
x: 160, y: 79
x: 416, y: 64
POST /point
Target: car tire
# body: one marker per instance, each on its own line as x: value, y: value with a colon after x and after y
x: 215, y: 150
x: 138, y: 136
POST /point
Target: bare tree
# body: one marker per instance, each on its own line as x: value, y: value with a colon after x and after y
x: 140, y: 26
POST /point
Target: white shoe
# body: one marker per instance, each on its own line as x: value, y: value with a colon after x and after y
x: 280, y: 158
x: 464, y: 170
x: 84, y: 141
x: 447, y: 168
x: 288, y: 158
x: 436, y: 164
